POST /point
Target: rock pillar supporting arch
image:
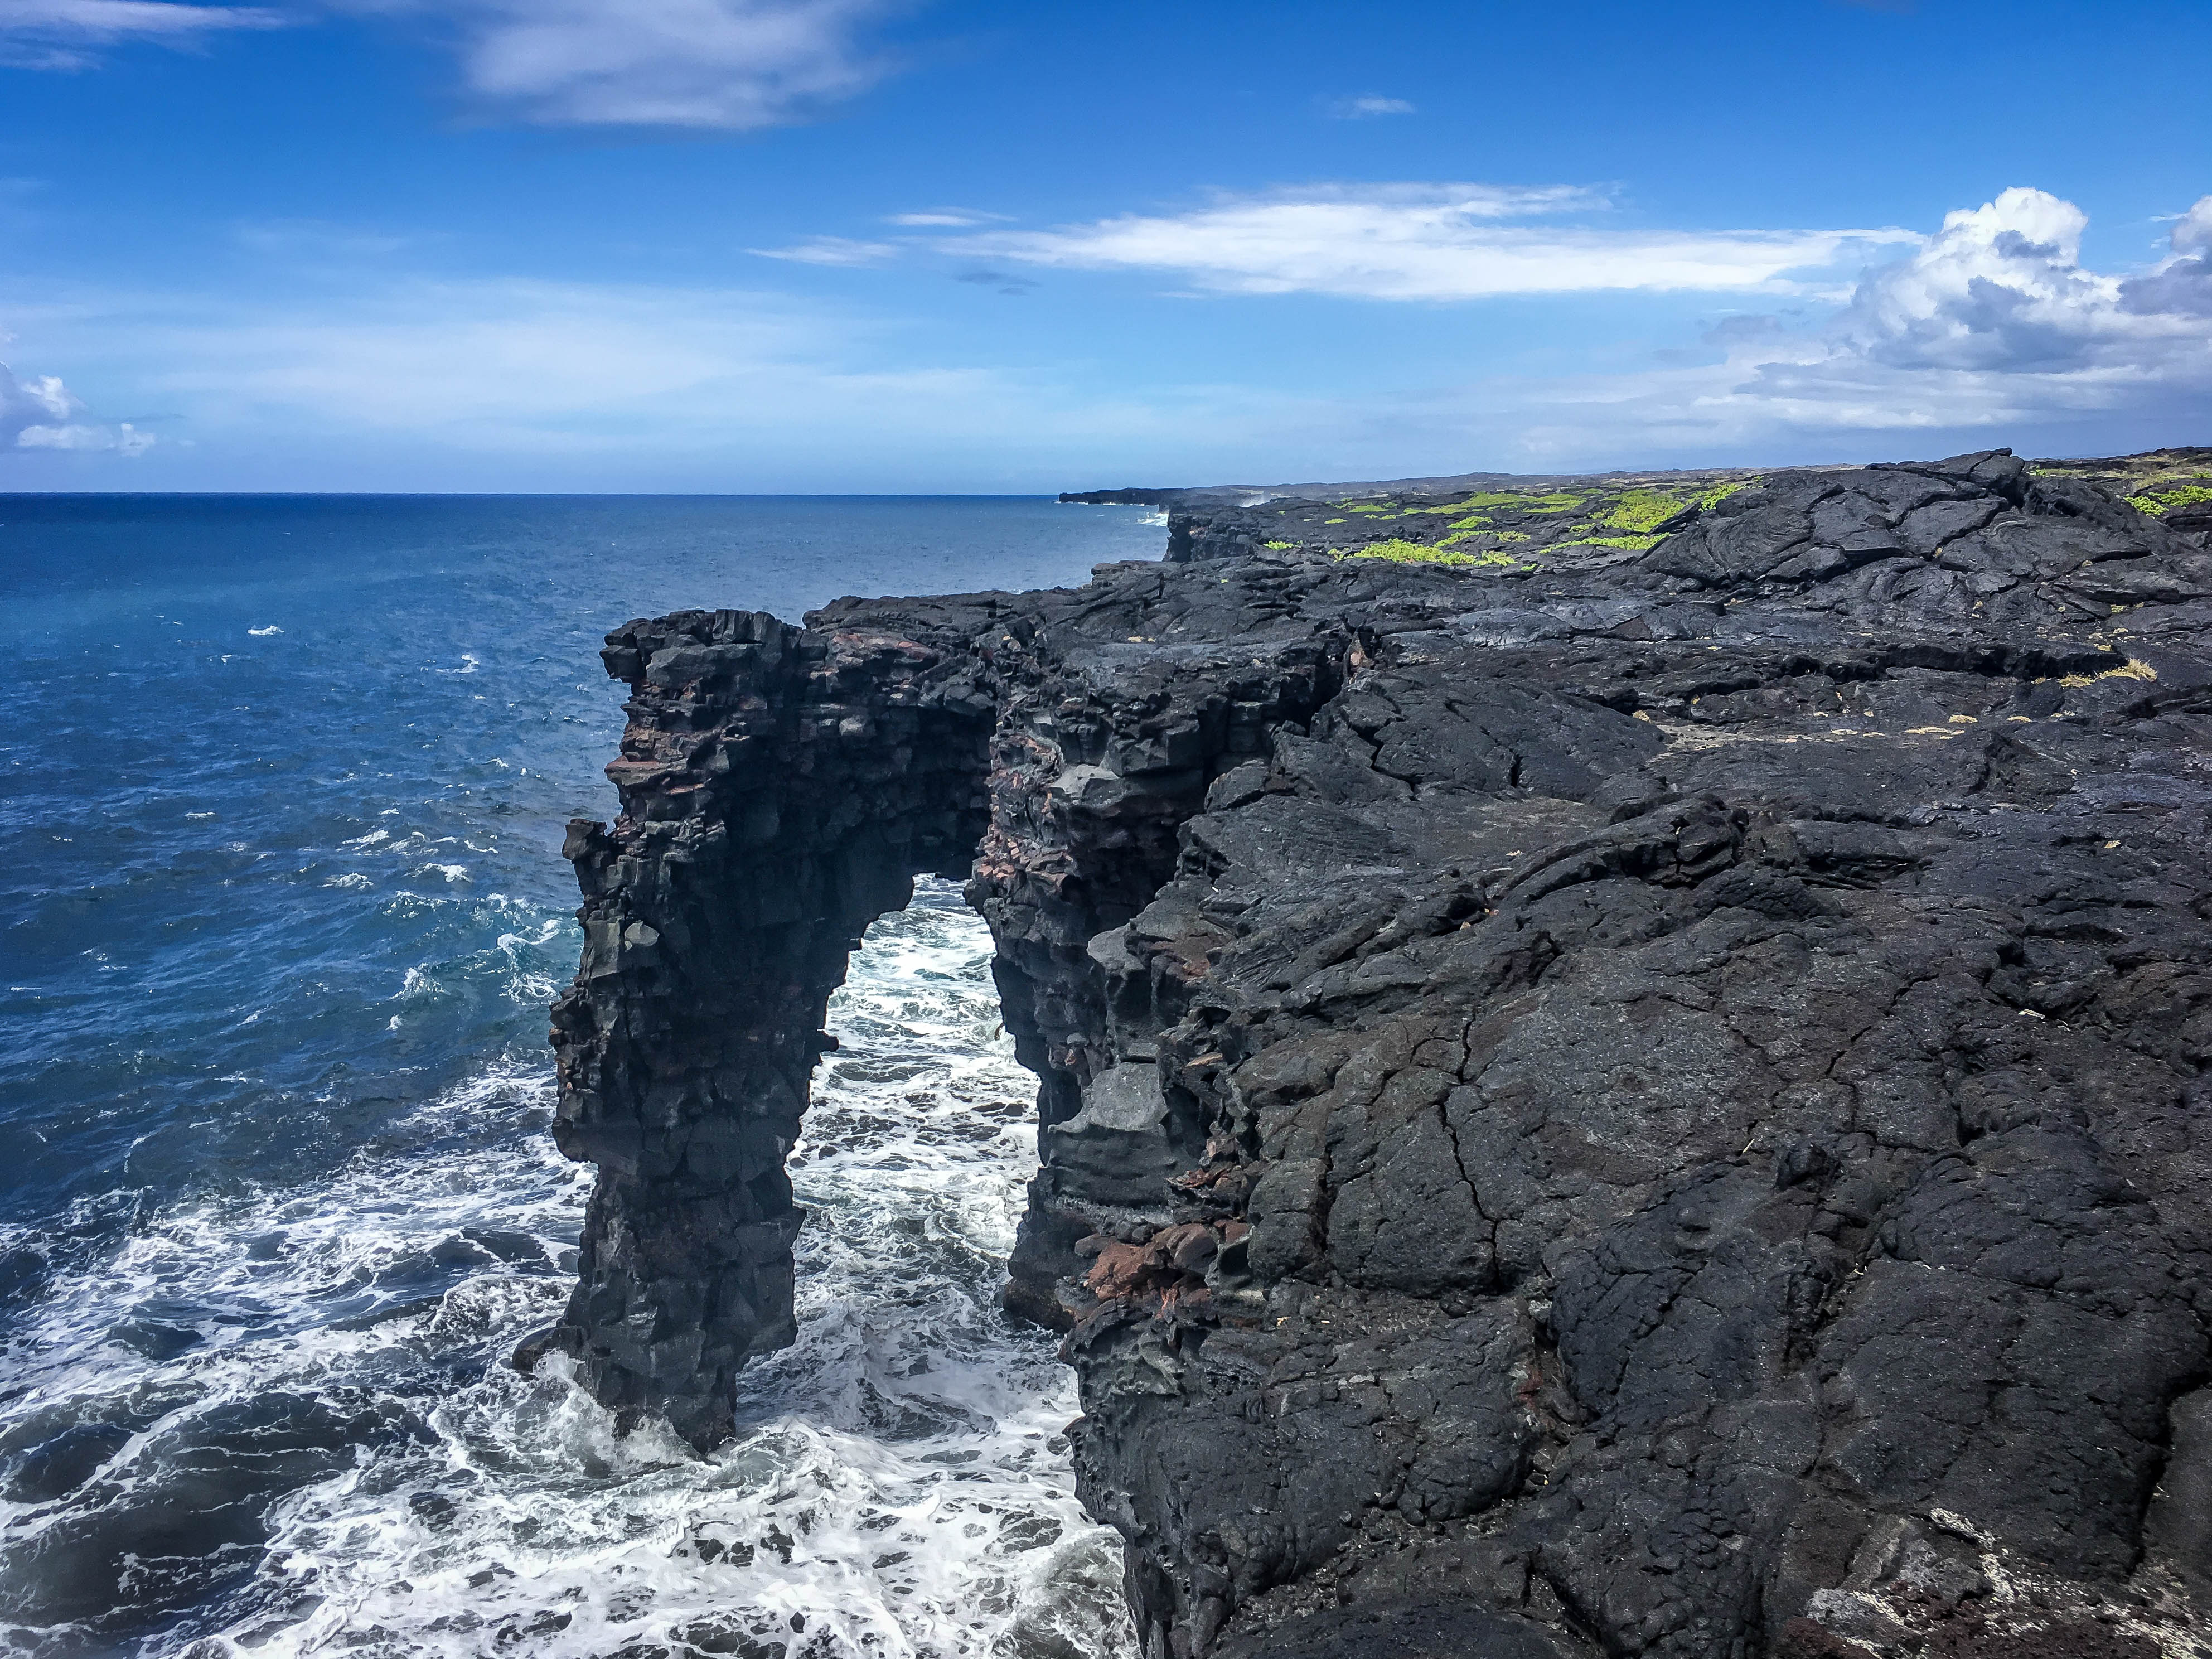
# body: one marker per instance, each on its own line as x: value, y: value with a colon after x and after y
x: 780, y: 790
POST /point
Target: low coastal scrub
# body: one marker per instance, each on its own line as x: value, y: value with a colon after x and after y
x: 1642, y: 511
x: 1399, y: 550
x: 1628, y: 520
x: 2155, y: 501
x: 1631, y: 543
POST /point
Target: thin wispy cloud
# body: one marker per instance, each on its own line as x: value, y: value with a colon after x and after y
x: 539, y: 383
x: 1990, y: 329
x: 944, y: 218
x: 1363, y: 109
x: 730, y: 65
x: 831, y: 251
x: 997, y: 281
x: 316, y: 240
x: 1430, y: 242
x: 68, y: 34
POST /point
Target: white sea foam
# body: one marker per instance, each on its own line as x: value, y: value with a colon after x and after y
x: 897, y: 1488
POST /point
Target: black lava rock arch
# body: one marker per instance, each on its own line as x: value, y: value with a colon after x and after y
x: 1646, y: 1096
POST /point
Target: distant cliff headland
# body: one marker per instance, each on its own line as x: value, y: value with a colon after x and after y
x: 1622, y: 1060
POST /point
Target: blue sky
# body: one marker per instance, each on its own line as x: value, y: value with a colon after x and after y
x: 844, y: 245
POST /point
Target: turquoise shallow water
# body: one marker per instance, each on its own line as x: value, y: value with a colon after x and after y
x: 280, y: 907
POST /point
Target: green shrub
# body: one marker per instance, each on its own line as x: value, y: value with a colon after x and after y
x: 1643, y: 510
x: 1398, y: 550
x: 1632, y: 543
x: 2155, y: 502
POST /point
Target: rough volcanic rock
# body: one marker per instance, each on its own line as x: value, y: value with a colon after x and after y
x: 2174, y: 486
x: 1630, y: 1083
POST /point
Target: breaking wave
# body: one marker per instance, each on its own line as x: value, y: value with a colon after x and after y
x: 279, y: 1422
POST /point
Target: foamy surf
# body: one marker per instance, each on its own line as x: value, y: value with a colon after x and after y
x: 293, y: 1425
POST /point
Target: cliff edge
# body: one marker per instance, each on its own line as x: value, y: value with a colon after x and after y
x: 1621, y: 1061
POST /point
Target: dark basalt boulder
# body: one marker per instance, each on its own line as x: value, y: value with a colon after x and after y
x: 1626, y: 1078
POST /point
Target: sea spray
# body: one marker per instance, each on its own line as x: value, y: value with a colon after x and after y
x: 898, y: 1485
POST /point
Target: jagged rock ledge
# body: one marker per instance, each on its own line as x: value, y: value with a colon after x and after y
x: 1631, y: 1092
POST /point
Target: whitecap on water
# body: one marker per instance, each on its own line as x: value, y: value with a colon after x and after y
x: 279, y: 1422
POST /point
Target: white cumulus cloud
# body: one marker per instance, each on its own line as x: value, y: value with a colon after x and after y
x: 1997, y: 319
x: 1429, y: 242
x: 41, y: 413
x: 1993, y: 330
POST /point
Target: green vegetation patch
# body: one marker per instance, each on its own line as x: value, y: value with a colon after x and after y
x: 1720, y: 492
x: 1496, y: 498
x: 1399, y: 550
x: 2155, y: 502
x: 1336, y: 521
x: 1555, y: 500
x: 1279, y: 544
x: 1641, y: 511
x: 1631, y: 519
x: 1493, y: 499
x: 1631, y: 543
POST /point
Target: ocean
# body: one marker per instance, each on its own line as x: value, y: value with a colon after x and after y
x: 281, y: 909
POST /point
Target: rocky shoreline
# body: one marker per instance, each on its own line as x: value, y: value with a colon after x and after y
x: 1620, y: 1060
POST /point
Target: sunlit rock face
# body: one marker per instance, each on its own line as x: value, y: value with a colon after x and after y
x: 1623, y: 1077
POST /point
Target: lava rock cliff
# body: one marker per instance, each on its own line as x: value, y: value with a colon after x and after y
x: 1622, y: 1063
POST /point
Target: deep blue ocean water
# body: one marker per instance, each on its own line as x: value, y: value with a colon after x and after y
x: 281, y: 909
